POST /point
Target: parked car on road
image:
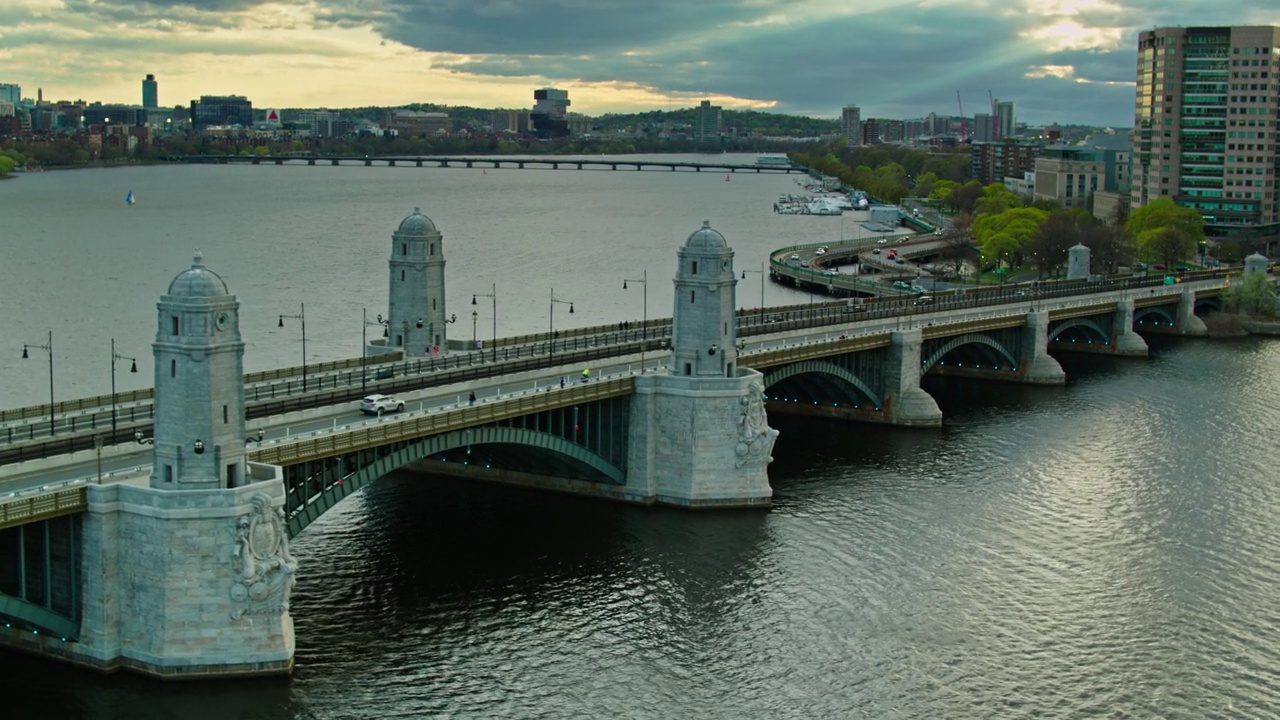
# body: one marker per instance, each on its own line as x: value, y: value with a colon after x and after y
x: 379, y: 404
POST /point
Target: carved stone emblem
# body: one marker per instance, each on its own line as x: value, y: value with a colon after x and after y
x: 264, y: 569
x: 755, y: 437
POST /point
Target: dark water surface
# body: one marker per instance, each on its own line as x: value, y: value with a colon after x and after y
x: 1104, y: 549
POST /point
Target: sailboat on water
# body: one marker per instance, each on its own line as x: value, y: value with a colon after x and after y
x: 128, y: 199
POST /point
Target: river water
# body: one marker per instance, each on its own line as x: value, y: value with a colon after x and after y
x: 1104, y: 549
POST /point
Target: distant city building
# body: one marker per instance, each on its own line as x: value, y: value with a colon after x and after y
x: 1071, y: 175
x: 6, y: 108
x: 11, y: 93
x: 1111, y: 205
x: 221, y: 110
x: 984, y: 128
x: 870, y: 132
x: 992, y: 162
x: 150, y: 94
x: 1205, y: 116
x: 1023, y: 186
x: 1006, y: 123
x: 579, y: 124
x: 99, y: 114
x: 325, y: 123
x: 706, y: 122
x: 891, y: 131
x: 510, y: 121
x: 851, y: 124
x: 413, y: 122
x: 550, y: 111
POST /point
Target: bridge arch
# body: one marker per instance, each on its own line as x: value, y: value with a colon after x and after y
x: 968, y: 339
x: 821, y: 367
x: 1154, y: 314
x: 340, y: 485
x: 1085, y: 323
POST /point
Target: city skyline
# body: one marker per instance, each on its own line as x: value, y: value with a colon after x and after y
x: 1068, y: 61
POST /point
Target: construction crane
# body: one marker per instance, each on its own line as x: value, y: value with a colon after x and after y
x: 963, y: 130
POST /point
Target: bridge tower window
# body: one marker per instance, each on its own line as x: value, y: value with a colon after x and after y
x: 168, y: 473
x: 695, y: 267
x: 401, y: 276
x: 688, y: 368
x: 173, y: 368
x: 175, y: 324
x: 224, y: 414
x: 692, y: 294
x: 404, y: 248
x: 231, y: 476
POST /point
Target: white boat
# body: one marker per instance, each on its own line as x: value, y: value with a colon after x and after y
x: 128, y: 199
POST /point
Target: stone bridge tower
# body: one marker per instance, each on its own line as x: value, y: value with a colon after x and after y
x: 704, y: 330
x: 415, y: 309
x: 189, y: 575
x: 199, y: 380
x: 700, y: 435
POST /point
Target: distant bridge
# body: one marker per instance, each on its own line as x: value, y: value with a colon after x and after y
x: 488, y: 162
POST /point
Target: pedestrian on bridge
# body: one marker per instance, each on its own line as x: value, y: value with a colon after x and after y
x: 561, y: 382
x: 472, y: 397
x: 586, y: 374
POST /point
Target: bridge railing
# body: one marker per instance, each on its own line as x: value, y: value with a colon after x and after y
x: 98, y: 402
x: 435, y: 423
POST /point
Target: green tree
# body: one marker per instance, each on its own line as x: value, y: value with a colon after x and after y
x: 6, y: 165
x: 1005, y: 235
x: 1254, y: 296
x: 996, y: 198
x: 1161, y: 229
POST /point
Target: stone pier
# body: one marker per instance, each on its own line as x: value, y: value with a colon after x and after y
x: 905, y: 402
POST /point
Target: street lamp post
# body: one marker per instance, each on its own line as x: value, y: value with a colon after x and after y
x: 474, y: 316
x: 364, y: 343
x: 132, y: 368
x: 644, y: 323
x: 551, y: 353
x: 493, y: 295
x: 762, y: 276
x: 47, y: 347
x: 302, y: 316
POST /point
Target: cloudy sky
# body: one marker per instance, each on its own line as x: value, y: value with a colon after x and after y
x: 1059, y: 60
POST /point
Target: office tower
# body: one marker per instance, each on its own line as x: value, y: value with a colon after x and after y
x: 150, y: 98
x: 706, y: 123
x: 1205, y: 120
x: 10, y: 93
x: 984, y: 128
x: 1005, y: 120
x: 851, y: 123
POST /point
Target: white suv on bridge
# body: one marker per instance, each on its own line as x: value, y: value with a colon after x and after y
x: 378, y: 404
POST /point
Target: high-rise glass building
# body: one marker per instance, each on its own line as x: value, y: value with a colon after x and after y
x: 1205, y: 123
x: 150, y: 96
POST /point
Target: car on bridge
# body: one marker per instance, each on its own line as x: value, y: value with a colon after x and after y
x: 379, y: 404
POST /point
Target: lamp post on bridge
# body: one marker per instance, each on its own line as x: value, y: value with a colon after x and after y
x: 47, y: 347
x: 132, y: 368
x: 551, y: 353
x: 364, y: 343
x: 762, y: 276
x: 644, y: 324
x: 302, y: 316
x: 493, y: 295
